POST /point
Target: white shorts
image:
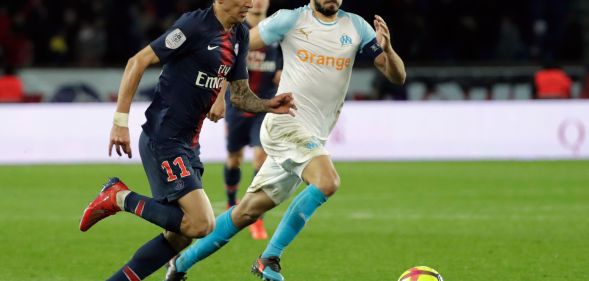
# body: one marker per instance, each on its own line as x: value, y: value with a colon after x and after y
x: 290, y: 148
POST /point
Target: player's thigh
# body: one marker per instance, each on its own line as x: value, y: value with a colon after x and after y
x: 277, y: 183
x: 289, y: 143
x: 171, y: 169
x: 150, y: 165
x: 255, y: 143
x: 259, y: 157
x: 321, y: 173
x: 196, y: 205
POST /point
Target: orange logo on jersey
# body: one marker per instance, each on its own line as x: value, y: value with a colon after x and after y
x: 338, y: 63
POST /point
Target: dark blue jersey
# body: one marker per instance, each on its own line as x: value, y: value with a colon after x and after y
x: 198, y: 55
x: 262, y: 65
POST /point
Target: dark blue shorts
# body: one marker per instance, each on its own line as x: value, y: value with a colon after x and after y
x: 173, y: 169
x: 242, y: 131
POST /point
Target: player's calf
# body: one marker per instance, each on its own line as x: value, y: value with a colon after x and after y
x: 246, y: 213
x: 177, y: 241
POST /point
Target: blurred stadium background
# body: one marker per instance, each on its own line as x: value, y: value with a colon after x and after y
x: 468, y: 168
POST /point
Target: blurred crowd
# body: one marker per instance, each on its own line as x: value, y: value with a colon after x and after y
x: 107, y: 32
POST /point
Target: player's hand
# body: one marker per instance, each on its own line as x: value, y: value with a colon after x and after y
x: 282, y: 104
x: 119, y: 138
x: 217, y: 112
x: 383, y: 36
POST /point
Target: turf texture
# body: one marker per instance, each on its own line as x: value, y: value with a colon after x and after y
x: 471, y: 221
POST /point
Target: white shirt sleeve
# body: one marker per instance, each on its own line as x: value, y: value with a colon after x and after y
x: 369, y: 47
x: 274, y: 28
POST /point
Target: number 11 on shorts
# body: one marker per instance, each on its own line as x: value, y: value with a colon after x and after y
x: 178, y: 162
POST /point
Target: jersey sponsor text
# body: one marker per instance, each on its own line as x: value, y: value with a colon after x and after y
x: 339, y: 63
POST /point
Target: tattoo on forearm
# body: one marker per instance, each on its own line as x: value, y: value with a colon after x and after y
x: 244, y: 99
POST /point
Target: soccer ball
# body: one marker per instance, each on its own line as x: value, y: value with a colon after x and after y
x: 421, y: 273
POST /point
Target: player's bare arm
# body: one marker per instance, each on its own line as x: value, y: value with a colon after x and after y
x: 119, y: 134
x: 277, y: 76
x: 389, y: 62
x: 217, y: 111
x: 255, y: 39
x: 244, y: 99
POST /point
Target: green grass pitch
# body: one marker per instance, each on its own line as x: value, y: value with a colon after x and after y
x: 472, y: 221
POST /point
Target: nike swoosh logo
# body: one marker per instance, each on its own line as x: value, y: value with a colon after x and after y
x: 210, y: 48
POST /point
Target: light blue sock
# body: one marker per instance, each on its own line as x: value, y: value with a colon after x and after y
x: 224, y: 230
x: 299, y: 212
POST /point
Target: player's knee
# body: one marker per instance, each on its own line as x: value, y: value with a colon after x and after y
x: 199, y: 228
x: 233, y: 162
x: 329, y: 185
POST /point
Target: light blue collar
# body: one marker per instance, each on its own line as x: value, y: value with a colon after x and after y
x: 340, y: 14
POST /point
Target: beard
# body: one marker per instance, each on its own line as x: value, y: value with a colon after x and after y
x: 324, y: 11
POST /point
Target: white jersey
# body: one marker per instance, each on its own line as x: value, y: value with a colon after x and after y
x: 318, y: 60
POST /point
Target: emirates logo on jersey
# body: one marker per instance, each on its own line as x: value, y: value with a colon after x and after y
x: 213, y: 82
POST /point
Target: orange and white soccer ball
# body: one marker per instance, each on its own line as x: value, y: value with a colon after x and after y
x: 421, y: 273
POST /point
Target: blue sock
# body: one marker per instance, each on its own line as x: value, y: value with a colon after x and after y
x: 149, y: 258
x: 299, y: 212
x: 167, y: 216
x: 198, y: 251
x: 232, y: 177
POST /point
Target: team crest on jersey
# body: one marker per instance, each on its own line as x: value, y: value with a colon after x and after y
x: 175, y: 39
x: 179, y: 185
x: 346, y: 40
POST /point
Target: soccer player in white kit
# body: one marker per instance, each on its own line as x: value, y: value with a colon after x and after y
x: 319, y: 43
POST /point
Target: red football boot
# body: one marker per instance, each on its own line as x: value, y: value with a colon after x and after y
x: 104, y: 205
x: 258, y: 231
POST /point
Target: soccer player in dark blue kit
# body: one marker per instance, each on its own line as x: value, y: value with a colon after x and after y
x: 319, y: 42
x: 201, y: 51
x: 243, y: 128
